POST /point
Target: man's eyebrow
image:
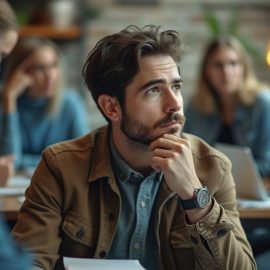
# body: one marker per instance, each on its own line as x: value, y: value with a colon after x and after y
x: 153, y: 82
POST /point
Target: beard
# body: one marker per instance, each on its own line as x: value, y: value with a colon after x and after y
x: 140, y: 133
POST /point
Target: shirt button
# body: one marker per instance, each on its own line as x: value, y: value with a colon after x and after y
x: 136, y: 245
x: 102, y: 254
x: 143, y: 204
x: 221, y: 232
x: 112, y: 216
x: 122, y: 175
x: 194, y: 240
x: 80, y: 233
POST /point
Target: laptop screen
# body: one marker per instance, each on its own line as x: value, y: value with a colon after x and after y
x: 249, y: 184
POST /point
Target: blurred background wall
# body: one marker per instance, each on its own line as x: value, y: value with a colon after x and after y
x: 197, y: 21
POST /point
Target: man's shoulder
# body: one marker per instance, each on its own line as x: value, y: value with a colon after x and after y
x: 81, y: 144
x: 201, y: 150
x: 212, y: 167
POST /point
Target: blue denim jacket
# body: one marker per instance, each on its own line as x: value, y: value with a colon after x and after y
x: 251, y: 127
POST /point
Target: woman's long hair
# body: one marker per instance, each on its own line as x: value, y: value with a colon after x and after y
x: 205, y: 98
x: 26, y: 47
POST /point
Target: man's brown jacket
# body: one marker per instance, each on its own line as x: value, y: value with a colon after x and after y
x: 73, y: 204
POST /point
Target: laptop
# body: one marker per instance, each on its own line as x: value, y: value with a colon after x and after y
x: 249, y: 184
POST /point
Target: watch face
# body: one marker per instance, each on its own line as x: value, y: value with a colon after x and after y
x: 203, y: 198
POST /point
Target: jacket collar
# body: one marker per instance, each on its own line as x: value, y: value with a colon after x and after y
x: 101, y: 166
x: 100, y: 163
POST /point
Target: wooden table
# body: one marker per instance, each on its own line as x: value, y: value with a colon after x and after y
x: 10, y: 207
x: 11, y: 196
x: 254, y: 218
x: 254, y: 213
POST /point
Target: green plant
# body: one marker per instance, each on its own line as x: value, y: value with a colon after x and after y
x: 91, y: 12
x: 22, y: 16
x: 216, y: 28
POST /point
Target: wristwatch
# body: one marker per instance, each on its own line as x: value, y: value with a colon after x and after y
x: 201, y: 199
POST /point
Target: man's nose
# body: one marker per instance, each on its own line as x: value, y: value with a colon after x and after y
x: 173, y: 101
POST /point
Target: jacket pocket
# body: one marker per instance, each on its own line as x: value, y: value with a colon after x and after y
x: 179, y: 238
x: 79, y: 230
x: 182, y: 249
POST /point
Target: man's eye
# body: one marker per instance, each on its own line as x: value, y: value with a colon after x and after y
x: 153, y: 91
x: 176, y: 88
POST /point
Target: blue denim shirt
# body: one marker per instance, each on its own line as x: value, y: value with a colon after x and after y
x: 251, y: 127
x: 12, y: 257
x: 135, y: 238
x: 28, y: 131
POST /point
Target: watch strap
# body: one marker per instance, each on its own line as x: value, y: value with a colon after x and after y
x: 196, y: 202
x: 187, y: 204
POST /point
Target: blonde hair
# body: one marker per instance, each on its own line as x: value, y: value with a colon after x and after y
x: 26, y: 47
x: 8, y: 20
x: 204, y: 97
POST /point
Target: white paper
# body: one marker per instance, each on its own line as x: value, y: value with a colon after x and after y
x: 11, y: 191
x: 19, y: 181
x: 253, y: 203
x: 101, y: 264
x: 16, y: 186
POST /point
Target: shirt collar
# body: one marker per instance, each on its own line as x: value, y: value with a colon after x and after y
x: 122, y: 169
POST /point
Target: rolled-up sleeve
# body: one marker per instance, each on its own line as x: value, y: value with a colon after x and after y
x: 219, y: 241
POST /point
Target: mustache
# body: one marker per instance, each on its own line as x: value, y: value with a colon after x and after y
x: 177, y: 117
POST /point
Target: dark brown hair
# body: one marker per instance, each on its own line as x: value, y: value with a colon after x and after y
x: 115, y: 60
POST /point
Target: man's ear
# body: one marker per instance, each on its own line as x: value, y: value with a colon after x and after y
x: 110, y: 107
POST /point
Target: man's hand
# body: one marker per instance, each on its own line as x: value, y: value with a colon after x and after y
x: 6, y: 169
x: 173, y: 156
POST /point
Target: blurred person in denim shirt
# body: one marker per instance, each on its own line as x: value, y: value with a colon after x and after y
x: 230, y: 104
x: 36, y: 108
x: 12, y: 257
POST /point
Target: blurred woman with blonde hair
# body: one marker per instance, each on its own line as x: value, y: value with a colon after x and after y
x: 8, y: 38
x: 230, y: 105
x: 36, y: 110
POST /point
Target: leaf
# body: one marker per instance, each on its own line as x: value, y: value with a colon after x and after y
x: 231, y: 28
x: 233, y: 23
x: 251, y: 49
x: 212, y: 22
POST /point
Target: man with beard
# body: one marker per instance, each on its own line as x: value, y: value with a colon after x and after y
x: 137, y: 188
